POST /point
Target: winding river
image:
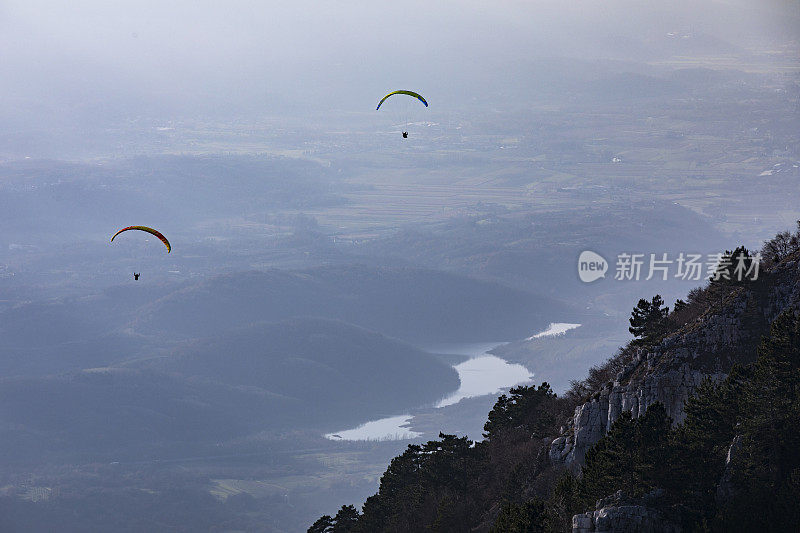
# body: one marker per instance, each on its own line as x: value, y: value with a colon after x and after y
x: 481, y: 374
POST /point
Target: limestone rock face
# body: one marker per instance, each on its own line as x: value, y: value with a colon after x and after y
x: 623, y: 519
x: 592, y: 419
x: 617, y: 514
x: 671, y: 371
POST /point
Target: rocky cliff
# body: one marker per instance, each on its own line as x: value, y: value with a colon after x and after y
x: 670, y: 372
x: 618, y: 514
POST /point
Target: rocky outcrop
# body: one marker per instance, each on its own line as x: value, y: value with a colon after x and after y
x: 671, y: 371
x: 618, y: 514
x: 671, y: 387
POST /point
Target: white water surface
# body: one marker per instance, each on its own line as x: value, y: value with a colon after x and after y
x: 555, y: 328
x: 481, y: 374
x: 389, y: 428
x: 486, y: 374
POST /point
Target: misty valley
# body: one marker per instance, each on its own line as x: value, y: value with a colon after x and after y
x: 242, y: 290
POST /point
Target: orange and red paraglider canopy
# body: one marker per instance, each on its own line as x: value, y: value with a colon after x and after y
x: 148, y: 230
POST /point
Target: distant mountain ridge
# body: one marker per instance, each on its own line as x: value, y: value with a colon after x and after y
x: 164, y: 370
x: 331, y: 366
x: 416, y: 305
x: 123, y: 414
x: 308, y: 374
x: 311, y: 350
x: 128, y: 322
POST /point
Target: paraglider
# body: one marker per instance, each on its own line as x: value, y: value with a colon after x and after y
x: 409, y: 93
x: 406, y: 93
x: 151, y: 231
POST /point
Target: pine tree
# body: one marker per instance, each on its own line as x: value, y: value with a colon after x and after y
x: 630, y: 457
x: 323, y: 525
x: 346, y: 520
x: 531, y: 410
x: 565, y: 501
x: 766, y: 467
x: 649, y: 319
x: 698, y: 447
x: 528, y: 517
x: 735, y: 268
x: 400, y: 496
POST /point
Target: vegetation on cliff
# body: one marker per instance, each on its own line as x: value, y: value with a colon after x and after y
x: 732, y: 464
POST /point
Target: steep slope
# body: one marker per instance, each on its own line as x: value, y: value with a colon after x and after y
x: 671, y: 371
x: 693, y: 426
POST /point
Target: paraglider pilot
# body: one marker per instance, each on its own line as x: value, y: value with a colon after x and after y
x: 405, y: 135
x: 136, y: 276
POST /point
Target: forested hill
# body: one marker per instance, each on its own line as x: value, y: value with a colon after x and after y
x: 693, y: 426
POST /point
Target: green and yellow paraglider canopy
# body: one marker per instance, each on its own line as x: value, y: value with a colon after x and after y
x: 409, y: 93
x: 151, y: 231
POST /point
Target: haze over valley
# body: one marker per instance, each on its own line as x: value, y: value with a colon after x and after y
x: 325, y: 272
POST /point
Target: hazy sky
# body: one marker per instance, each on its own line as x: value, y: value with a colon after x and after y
x: 63, y: 54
